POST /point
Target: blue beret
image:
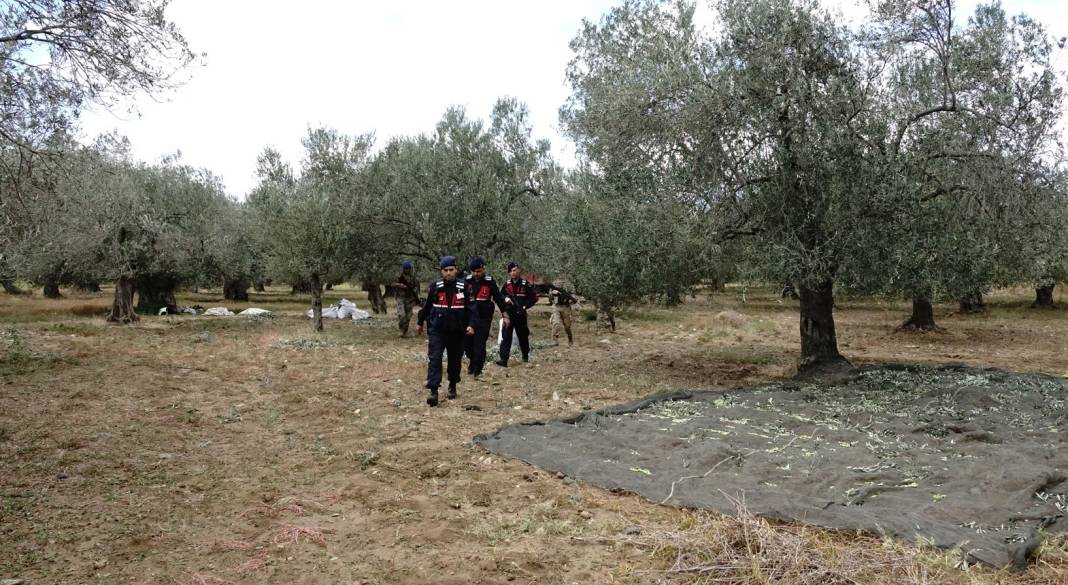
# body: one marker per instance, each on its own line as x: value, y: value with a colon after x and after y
x: 447, y: 261
x: 406, y: 265
x: 476, y: 263
x: 511, y: 265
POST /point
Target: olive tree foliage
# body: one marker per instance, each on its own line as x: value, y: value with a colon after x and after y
x: 308, y: 226
x: 56, y: 56
x: 793, y: 131
x: 469, y: 188
x: 140, y: 226
x: 616, y: 249
x: 1043, y: 251
x: 966, y: 138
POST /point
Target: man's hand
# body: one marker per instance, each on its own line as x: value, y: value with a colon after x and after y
x: 470, y: 330
x: 419, y: 330
x: 507, y: 300
x: 507, y: 322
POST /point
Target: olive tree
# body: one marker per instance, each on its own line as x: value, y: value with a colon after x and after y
x: 749, y: 127
x: 614, y: 248
x: 307, y: 225
x: 230, y: 256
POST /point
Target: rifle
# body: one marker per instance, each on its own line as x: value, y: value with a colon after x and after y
x: 514, y: 307
x: 564, y: 294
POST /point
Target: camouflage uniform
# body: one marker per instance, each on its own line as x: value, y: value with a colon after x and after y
x: 561, y: 315
x: 407, y: 300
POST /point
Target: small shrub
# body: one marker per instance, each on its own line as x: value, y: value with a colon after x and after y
x: 365, y: 459
x: 18, y: 358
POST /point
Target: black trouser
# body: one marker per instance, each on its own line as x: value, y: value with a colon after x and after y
x: 518, y: 322
x: 437, y: 344
x: 476, y: 346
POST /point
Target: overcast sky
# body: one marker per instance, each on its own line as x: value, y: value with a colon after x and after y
x: 275, y: 68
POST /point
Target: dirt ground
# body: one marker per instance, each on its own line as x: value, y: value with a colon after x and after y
x: 198, y: 450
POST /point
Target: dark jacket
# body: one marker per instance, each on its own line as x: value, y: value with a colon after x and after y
x: 447, y: 308
x: 485, y: 293
x: 522, y: 294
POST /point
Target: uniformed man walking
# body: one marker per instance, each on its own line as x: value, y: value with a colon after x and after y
x: 483, y: 291
x: 448, y: 314
x: 561, y: 302
x: 518, y: 296
x: 407, y: 290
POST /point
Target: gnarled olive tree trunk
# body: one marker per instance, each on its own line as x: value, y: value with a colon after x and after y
x: 317, y: 302
x: 122, y: 309
x: 300, y: 287
x: 236, y: 290
x: 819, y: 342
x: 972, y: 303
x: 51, y: 290
x: 154, y: 293
x: 922, y: 318
x: 1044, y: 297
x: 375, y: 298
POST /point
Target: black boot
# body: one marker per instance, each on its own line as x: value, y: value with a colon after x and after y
x: 501, y: 363
x: 452, y: 392
x: 432, y: 400
x: 526, y: 359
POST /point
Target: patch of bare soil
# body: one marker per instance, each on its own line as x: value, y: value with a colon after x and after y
x: 199, y: 450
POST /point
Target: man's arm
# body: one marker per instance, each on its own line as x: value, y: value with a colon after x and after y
x: 471, y: 307
x: 498, y: 296
x: 532, y: 296
x: 509, y: 299
x: 566, y: 295
x: 424, y: 312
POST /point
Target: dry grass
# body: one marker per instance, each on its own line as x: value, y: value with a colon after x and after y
x: 294, y: 534
x: 743, y: 549
x: 202, y: 579
x: 252, y: 565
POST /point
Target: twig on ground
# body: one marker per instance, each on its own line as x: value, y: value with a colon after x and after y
x: 294, y: 534
x: 252, y: 565
x: 702, y: 476
x: 705, y: 474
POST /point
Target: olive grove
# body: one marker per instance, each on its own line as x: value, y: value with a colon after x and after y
x: 848, y: 157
